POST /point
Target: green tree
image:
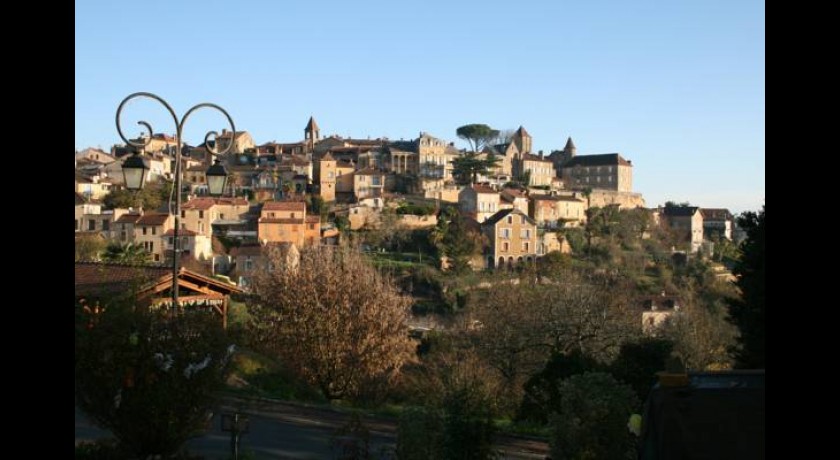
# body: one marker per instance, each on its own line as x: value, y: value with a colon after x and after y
x: 150, y: 197
x: 148, y: 377
x: 89, y: 247
x: 469, y: 166
x: 477, y: 135
x: 748, y: 312
x: 455, y: 240
x: 592, y: 423
x: 128, y: 253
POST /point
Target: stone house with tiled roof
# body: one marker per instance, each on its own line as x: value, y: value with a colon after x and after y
x: 243, y: 142
x: 539, y: 170
x: 369, y: 182
x: 478, y: 202
x: 553, y: 211
x: 686, y: 224
x: 717, y: 223
x: 609, y: 171
x: 287, y: 222
x: 512, y: 238
x: 514, y: 198
x: 191, y: 244
x: 148, y: 232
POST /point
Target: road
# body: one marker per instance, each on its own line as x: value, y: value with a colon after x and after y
x: 292, y: 431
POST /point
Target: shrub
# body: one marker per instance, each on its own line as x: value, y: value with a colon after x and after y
x: 149, y: 377
x: 592, y: 422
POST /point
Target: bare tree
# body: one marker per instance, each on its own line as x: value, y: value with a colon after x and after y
x: 333, y: 319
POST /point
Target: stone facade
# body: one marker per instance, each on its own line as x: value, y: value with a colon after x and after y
x: 479, y: 202
x: 512, y: 237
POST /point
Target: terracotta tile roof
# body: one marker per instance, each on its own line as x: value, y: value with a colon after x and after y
x: 100, y: 277
x: 153, y: 219
x: 250, y: 250
x: 201, y: 168
x: 164, y: 137
x: 313, y: 219
x: 128, y: 219
x: 275, y: 220
x: 515, y: 192
x: 181, y: 232
x: 202, y: 204
x: 229, y: 201
x: 479, y: 188
x: 284, y: 206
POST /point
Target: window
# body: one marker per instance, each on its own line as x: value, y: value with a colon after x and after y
x: 293, y: 215
x: 521, y: 219
x: 505, y: 246
x: 106, y: 225
x: 526, y: 247
x: 312, y: 226
x: 249, y: 264
x: 510, y: 219
x: 201, y: 227
x: 144, y: 230
x: 183, y: 214
x: 91, y: 225
x: 154, y: 230
x: 201, y: 214
x: 221, y: 216
x: 157, y: 257
x: 171, y: 240
x: 506, y: 233
x: 525, y: 234
x: 77, y: 224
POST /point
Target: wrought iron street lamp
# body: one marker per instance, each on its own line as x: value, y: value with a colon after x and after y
x: 136, y: 167
x: 135, y: 170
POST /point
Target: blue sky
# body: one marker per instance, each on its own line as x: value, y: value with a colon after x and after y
x: 675, y: 87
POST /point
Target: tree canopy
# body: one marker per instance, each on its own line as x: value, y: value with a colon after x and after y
x: 150, y: 197
x: 332, y: 319
x: 148, y: 377
x: 748, y: 312
x: 467, y: 168
x: 478, y: 135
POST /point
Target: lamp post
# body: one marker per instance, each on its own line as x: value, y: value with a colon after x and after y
x: 136, y: 167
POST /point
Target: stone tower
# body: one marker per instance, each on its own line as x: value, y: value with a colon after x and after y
x: 326, y: 177
x: 522, y: 140
x: 312, y: 134
x: 570, y: 150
